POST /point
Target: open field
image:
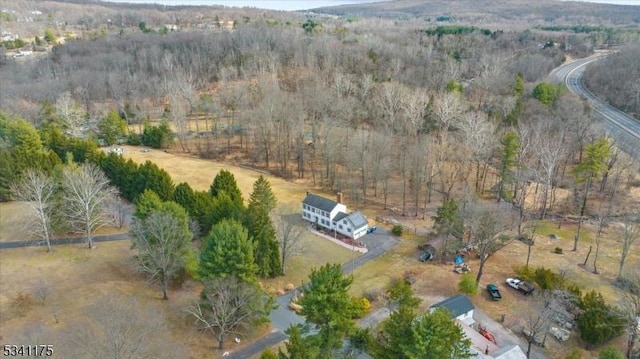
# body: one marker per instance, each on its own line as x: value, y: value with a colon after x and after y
x: 199, y: 174
x: 78, y: 277
x: 13, y: 216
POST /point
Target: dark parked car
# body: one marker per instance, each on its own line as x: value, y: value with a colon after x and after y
x: 425, y: 256
x: 494, y: 292
x: 371, y: 229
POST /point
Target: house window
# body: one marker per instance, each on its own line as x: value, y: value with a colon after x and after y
x: 340, y: 226
x: 345, y: 221
x: 349, y: 230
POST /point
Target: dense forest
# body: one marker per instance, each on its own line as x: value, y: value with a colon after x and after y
x: 349, y: 102
x: 615, y: 79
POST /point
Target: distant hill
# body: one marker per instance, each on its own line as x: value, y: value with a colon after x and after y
x: 524, y: 12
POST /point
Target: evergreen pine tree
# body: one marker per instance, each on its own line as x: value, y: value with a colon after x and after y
x: 261, y: 229
x: 262, y: 195
x: 225, y: 181
x: 228, y: 252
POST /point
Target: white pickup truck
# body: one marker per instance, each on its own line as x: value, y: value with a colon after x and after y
x: 520, y: 285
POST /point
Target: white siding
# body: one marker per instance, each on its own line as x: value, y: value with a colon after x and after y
x: 325, y: 219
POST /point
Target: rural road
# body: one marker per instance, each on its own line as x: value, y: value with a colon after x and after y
x: 59, y: 241
x: 378, y: 243
x: 624, y: 129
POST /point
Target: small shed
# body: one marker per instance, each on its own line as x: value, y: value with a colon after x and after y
x: 459, y: 306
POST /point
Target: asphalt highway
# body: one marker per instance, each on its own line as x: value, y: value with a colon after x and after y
x: 622, y: 128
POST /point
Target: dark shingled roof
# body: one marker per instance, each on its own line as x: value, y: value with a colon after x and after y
x: 357, y: 219
x: 457, y: 305
x: 322, y: 203
x: 339, y: 216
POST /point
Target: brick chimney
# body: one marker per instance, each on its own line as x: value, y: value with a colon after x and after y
x: 340, y: 197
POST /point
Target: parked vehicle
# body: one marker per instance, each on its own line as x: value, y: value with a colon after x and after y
x: 485, y: 333
x: 560, y: 334
x: 494, y: 292
x: 520, y: 285
x: 371, y: 229
x: 425, y: 256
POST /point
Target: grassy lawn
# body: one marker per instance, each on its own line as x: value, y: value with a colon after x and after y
x: 318, y: 251
x: 77, y: 277
x: 200, y: 173
x: 13, y: 219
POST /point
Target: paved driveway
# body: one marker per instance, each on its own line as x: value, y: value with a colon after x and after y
x: 282, y: 318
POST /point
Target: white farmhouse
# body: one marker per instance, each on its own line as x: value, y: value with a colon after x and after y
x: 332, y: 215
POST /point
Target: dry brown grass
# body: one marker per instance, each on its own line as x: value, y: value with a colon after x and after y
x: 13, y: 216
x: 79, y: 276
x: 434, y: 279
x: 200, y: 173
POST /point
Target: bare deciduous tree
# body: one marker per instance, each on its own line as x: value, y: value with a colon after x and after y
x: 630, y: 233
x: 162, y: 243
x: 119, y: 211
x: 230, y: 306
x: 125, y: 328
x: 446, y: 110
x: 538, y: 318
x: 631, y: 307
x: 38, y: 190
x: 485, y: 223
x: 479, y: 136
x: 289, y: 228
x: 549, y: 149
x: 70, y: 113
x: 85, y: 193
x: 41, y: 290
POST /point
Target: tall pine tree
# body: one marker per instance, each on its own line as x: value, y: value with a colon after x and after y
x: 262, y: 196
x: 228, y: 252
x: 225, y: 181
x: 510, y: 143
x: 261, y: 229
x: 327, y: 304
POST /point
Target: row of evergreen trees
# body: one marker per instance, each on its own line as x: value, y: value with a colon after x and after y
x: 22, y: 146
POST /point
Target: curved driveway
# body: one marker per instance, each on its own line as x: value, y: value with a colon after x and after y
x: 378, y: 243
x: 624, y: 129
